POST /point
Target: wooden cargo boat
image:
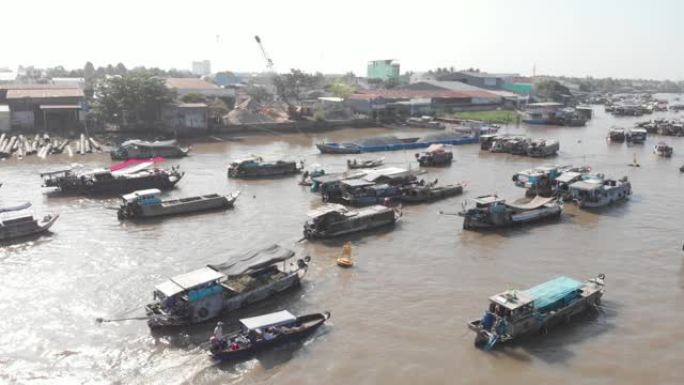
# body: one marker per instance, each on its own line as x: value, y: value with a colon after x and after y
x: 599, y: 192
x: 333, y: 220
x: 435, y: 156
x: 105, y: 181
x: 263, y: 332
x: 131, y: 149
x: 491, y: 211
x: 246, y: 277
x: 148, y: 204
x: 256, y: 167
x: 417, y: 193
x: 542, y: 148
x: 14, y: 224
x: 516, y: 313
x: 662, y: 149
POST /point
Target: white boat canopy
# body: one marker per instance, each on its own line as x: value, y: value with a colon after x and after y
x: 136, y: 194
x: 266, y: 320
x: 325, y: 209
x: 587, y: 185
x: 197, y: 277
x: 568, y: 177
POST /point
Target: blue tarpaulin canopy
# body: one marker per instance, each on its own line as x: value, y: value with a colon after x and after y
x: 553, y: 291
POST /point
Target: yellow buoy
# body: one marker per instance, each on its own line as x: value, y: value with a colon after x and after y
x: 345, y: 260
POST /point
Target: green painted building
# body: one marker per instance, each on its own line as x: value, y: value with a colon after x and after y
x: 383, y: 70
x: 519, y: 88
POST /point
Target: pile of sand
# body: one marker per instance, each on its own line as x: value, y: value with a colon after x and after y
x: 246, y: 117
x: 253, y: 113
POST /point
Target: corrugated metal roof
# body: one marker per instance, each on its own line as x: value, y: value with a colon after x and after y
x: 190, y: 83
x: 192, y: 105
x: 434, y: 94
x: 60, y: 107
x: 35, y: 86
x: 44, y: 93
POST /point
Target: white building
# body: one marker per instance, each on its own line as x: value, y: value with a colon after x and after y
x: 201, y: 68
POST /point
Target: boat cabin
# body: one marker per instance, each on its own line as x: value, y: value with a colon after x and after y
x: 329, y: 212
x: 193, y: 285
x: 487, y: 201
x: 147, y: 197
x: 262, y: 322
x: 589, y: 189
x: 512, y: 305
x: 253, y: 161
x: 532, y: 177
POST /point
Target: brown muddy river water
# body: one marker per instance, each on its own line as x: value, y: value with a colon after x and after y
x: 398, y: 317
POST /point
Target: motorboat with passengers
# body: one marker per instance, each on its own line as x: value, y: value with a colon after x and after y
x: 263, y: 332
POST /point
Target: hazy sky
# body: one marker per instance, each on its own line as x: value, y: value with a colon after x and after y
x: 619, y: 38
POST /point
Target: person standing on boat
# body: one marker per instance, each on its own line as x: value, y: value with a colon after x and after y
x: 218, y: 331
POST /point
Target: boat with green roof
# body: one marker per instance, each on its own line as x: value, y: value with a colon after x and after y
x: 514, y: 313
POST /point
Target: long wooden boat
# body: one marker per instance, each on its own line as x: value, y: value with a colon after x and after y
x: 516, y: 313
x: 333, y: 220
x: 264, y: 332
x: 244, y: 278
x: 105, y: 181
x: 391, y: 143
x: 148, y: 204
x: 491, y: 211
x: 14, y: 226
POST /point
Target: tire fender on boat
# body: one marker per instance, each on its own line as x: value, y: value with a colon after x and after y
x: 203, y: 312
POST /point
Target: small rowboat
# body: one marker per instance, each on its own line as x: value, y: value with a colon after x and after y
x: 264, y: 332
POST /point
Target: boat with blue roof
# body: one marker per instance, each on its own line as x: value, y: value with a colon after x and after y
x: 515, y: 313
x: 393, y: 143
